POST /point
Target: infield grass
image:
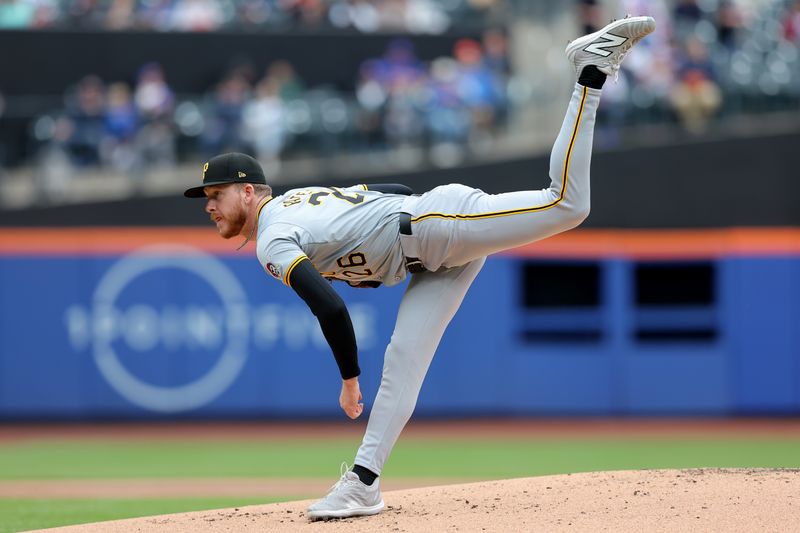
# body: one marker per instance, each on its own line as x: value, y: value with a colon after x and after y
x: 23, y: 514
x: 461, y: 458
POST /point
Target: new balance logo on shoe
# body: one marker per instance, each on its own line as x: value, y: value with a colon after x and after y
x: 599, y: 47
x: 605, y: 49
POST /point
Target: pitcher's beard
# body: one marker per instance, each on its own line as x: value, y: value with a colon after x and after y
x: 234, y: 227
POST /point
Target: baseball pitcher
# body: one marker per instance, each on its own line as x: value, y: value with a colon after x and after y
x: 372, y: 235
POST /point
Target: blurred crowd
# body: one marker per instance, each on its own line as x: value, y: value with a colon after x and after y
x: 116, y: 125
x: 416, y: 16
x: 709, y: 59
x: 398, y: 101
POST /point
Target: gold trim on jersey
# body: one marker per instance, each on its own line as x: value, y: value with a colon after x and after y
x: 291, y: 267
x: 262, y: 205
x: 564, y: 183
x: 364, y: 186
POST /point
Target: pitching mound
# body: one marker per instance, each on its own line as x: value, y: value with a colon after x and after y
x: 650, y: 500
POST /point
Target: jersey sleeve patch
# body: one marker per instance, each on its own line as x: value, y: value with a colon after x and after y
x: 279, y: 251
x: 274, y: 271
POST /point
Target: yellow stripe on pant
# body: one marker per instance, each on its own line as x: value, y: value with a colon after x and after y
x: 564, y: 183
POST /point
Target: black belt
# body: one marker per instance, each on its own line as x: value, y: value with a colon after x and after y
x: 413, y: 264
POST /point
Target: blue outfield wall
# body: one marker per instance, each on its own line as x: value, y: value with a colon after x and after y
x: 189, y: 334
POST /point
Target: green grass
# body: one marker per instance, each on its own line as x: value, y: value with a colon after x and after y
x: 520, y: 459
x: 413, y: 458
x: 24, y: 514
x: 97, y: 459
x: 452, y: 458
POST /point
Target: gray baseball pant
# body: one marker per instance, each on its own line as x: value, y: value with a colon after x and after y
x: 454, y: 229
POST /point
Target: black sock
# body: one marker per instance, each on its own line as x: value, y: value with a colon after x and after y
x: 367, y: 477
x: 592, y: 77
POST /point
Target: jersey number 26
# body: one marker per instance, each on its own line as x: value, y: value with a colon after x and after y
x: 355, y: 259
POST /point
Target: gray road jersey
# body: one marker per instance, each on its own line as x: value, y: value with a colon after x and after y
x: 348, y: 234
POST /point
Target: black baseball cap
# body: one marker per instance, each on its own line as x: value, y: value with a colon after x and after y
x: 232, y: 167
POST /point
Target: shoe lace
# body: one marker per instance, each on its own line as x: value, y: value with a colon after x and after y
x: 343, y: 469
x: 624, y: 49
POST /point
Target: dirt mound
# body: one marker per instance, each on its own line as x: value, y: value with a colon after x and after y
x: 648, y: 500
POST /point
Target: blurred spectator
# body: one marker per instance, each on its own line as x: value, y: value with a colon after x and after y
x: 695, y: 99
x: 371, y: 96
x: 197, y: 15
x: 729, y: 22
x: 495, y: 45
x: 84, y: 14
x: 84, y: 126
x: 359, y: 14
x: 155, y: 103
x: 687, y: 11
x: 263, y: 124
x: 154, y: 98
x: 695, y: 58
x: 122, y: 126
x: 399, y: 65
x: 120, y: 14
x: 696, y: 96
x: 224, y: 115
x: 391, y: 15
x: 686, y: 15
x: 590, y: 17
x: 253, y: 13
x: 403, y: 124
x: 476, y: 85
x: 447, y: 116
x: 122, y: 121
x: 154, y: 14
x: 421, y: 16
x: 791, y: 23
x: 74, y: 138
x: 401, y: 77
x: 308, y: 13
x: 283, y: 75
x: 495, y: 58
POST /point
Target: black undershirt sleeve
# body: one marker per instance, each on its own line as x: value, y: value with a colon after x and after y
x: 390, y: 188
x: 332, y: 314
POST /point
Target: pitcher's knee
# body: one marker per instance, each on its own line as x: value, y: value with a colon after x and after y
x: 582, y: 213
x: 574, y: 215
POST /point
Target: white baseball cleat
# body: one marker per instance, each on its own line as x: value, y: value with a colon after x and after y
x: 606, y: 48
x: 348, y: 497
